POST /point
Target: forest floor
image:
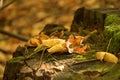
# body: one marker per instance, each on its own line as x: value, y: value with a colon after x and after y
x: 28, y: 18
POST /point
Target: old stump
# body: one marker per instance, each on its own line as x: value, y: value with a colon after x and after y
x: 66, y: 66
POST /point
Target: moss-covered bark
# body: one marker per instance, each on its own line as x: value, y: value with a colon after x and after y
x: 106, y: 21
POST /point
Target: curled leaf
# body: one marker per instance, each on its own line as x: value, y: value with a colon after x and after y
x: 106, y: 57
x: 37, y: 39
x: 43, y: 36
x: 82, y: 50
x: 52, y: 42
x: 100, y: 55
x: 33, y: 42
x: 58, y: 48
x: 110, y: 58
x: 74, y: 45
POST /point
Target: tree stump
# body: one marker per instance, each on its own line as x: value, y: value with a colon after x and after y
x: 65, y: 66
x: 92, y: 18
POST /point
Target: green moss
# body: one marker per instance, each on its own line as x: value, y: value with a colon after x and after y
x: 90, y: 54
x: 16, y: 59
x: 112, y: 19
x: 111, y: 30
x: 115, y: 43
x: 79, y: 57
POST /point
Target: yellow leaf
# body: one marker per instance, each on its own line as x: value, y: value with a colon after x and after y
x: 108, y: 57
x: 58, y: 48
x: 52, y: 42
x: 100, y: 55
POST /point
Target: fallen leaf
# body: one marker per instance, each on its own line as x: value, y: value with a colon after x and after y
x: 33, y: 42
x: 52, y: 42
x: 43, y: 36
x: 100, y: 55
x: 75, y: 45
x: 37, y: 39
x: 108, y: 57
x: 58, y: 48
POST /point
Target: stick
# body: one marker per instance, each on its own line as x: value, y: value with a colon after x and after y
x: 7, y: 4
x: 4, y: 51
x: 1, y: 3
x: 19, y: 37
x: 87, y: 61
x: 108, y: 45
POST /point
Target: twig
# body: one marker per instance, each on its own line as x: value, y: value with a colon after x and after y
x: 7, y: 4
x: 1, y: 3
x: 87, y: 61
x: 4, y: 51
x: 108, y: 45
x: 14, y: 35
x: 41, y: 59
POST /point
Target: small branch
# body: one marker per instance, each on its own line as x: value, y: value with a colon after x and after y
x: 7, y: 4
x: 1, y: 3
x: 87, y: 61
x: 19, y: 37
x: 108, y: 45
x: 6, y: 52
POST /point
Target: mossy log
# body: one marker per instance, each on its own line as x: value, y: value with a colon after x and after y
x: 105, y: 20
x: 58, y: 67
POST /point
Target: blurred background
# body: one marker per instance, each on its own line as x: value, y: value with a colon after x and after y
x: 28, y: 18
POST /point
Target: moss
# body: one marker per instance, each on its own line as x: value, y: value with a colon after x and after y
x: 16, y: 59
x: 115, y: 43
x: 79, y: 57
x: 111, y: 30
x: 112, y: 19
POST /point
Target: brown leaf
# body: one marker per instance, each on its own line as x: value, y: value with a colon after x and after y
x: 33, y: 42
x: 74, y: 45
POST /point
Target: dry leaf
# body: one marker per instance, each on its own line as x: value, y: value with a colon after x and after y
x: 110, y: 58
x: 58, y: 48
x: 33, y: 42
x: 106, y: 57
x: 43, y: 36
x: 100, y: 55
x: 74, y: 45
x: 82, y: 50
x: 79, y: 50
x: 52, y: 42
x: 37, y: 39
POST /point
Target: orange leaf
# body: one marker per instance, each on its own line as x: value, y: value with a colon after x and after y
x: 79, y: 50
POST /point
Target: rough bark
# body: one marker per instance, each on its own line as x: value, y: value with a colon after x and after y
x: 92, y: 18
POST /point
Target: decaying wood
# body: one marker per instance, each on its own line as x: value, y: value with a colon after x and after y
x: 92, y: 18
x: 60, y: 67
x: 63, y: 66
